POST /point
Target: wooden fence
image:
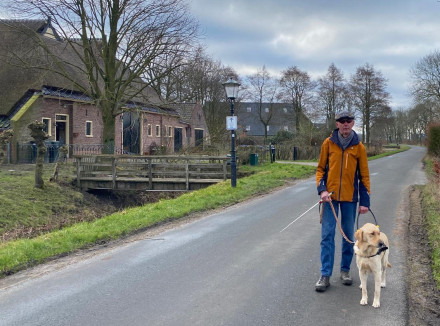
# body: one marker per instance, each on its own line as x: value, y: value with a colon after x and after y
x: 121, y: 172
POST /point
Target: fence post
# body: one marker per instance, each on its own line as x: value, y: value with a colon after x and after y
x: 150, y: 173
x: 225, y: 169
x: 78, y: 171
x: 187, y: 173
x: 114, y: 172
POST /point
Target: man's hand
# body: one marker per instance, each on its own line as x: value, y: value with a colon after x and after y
x: 325, y: 196
x: 363, y: 209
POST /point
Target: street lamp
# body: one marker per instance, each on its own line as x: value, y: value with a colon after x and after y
x: 231, y: 88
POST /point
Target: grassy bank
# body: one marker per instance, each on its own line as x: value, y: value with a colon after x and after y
x: 431, y: 211
x: 23, y: 253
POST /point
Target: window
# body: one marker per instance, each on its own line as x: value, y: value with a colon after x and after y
x: 267, y: 128
x: 170, y: 131
x: 286, y: 128
x: 60, y: 117
x: 149, y: 130
x: 47, y: 126
x: 89, y: 129
x: 249, y: 109
x: 157, y: 131
x: 248, y: 128
x: 266, y: 110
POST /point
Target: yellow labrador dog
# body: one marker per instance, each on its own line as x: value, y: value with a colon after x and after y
x: 371, y: 249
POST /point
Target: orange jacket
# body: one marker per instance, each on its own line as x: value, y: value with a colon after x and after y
x: 344, y: 172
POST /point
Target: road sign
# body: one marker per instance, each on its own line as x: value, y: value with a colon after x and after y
x: 231, y: 123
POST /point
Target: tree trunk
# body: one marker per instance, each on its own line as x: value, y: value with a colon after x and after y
x: 38, y: 134
x: 41, y: 150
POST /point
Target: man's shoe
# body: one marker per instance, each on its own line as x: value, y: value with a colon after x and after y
x: 346, y: 279
x: 322, y: 284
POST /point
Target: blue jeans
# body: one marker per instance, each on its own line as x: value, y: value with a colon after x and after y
x: 328, y: 227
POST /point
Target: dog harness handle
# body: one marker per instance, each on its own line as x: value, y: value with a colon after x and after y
x: 359, y: 213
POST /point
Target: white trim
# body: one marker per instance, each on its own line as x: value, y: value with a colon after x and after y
x: 49, y: 125
x: 91, y: 128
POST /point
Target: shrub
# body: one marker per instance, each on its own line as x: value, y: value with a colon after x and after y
x: 434, y: 139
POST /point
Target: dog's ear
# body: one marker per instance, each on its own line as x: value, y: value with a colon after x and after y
x: 359, y: 235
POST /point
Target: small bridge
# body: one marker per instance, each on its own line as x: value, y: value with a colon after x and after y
x: 151, y: 173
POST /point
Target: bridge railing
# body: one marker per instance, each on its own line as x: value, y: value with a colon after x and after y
x: 125, y: 172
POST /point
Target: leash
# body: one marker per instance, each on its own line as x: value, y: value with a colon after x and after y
x: 336, y: 217
x: 339, y: 224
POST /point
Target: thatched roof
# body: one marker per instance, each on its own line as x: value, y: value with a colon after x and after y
x: 26, y: 65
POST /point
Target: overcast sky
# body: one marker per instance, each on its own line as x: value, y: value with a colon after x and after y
x: 391, y: 35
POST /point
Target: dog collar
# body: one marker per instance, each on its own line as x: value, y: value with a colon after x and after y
x: 381, y: 249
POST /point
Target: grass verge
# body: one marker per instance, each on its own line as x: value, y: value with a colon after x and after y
x: 23, y: 253
x: 431, y: 211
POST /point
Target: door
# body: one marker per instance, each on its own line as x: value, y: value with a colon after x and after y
x: 61, y: 129
x: 198, y: 134
x: 131, y: 132
x: 177, y: 139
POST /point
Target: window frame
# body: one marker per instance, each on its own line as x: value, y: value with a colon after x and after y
x: 90, y: 123
x: 48, y: 125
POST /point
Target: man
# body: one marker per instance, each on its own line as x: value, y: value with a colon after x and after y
x: 342, y: 177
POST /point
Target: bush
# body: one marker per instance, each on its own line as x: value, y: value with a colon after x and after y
x: 434, y: 139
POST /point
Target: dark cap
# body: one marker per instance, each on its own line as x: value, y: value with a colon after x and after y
x: 344, y: 115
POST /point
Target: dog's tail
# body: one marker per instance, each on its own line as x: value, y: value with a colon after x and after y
x: 388, y: 264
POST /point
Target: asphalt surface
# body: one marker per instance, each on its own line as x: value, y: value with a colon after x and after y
x: 229, y: 268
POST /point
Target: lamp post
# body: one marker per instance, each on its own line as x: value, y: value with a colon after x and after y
x: 231, y: 87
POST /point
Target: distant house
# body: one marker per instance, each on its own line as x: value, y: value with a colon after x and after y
x: 278, y: 116
x: 196, y: 131
x: 146, y: 125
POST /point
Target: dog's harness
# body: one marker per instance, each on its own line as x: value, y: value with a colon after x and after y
x: 381, y: 249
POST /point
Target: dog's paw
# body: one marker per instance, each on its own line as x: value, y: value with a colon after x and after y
x: 364, y: 301
x: 383, y: 285
x: 360, y: 287
x: 376, y: 303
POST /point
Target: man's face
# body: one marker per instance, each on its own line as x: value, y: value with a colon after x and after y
x: 345, y: 125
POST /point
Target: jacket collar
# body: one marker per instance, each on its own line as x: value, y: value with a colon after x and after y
x: 334, y: 138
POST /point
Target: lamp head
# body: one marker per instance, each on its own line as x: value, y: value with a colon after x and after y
x: 231, y: 87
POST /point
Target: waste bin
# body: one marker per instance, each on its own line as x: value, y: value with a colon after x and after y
x: 295, y: 153
x: 254, y: 159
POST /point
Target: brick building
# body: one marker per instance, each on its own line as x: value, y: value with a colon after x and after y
x: 146, y: 125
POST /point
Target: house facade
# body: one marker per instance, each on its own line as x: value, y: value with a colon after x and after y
x: 71, y: 118
x: 253, y: 118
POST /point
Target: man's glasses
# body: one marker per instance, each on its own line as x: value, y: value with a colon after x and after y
x: 345, y: 120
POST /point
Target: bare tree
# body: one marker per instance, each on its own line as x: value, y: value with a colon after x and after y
x: 401, y: 126
x: 332, y: 94
x: 262, y: 88
x: 382, y: 129
x: 426, y: 78
x: 369, y: 95
x: 297, y: 90
x: 115, y: 43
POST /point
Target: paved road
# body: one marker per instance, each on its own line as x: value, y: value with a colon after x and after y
x: 229, y: 268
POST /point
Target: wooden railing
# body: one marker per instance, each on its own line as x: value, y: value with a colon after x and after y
x: 121, y: 172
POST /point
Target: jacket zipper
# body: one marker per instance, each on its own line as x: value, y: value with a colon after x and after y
x: 340, y: 175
